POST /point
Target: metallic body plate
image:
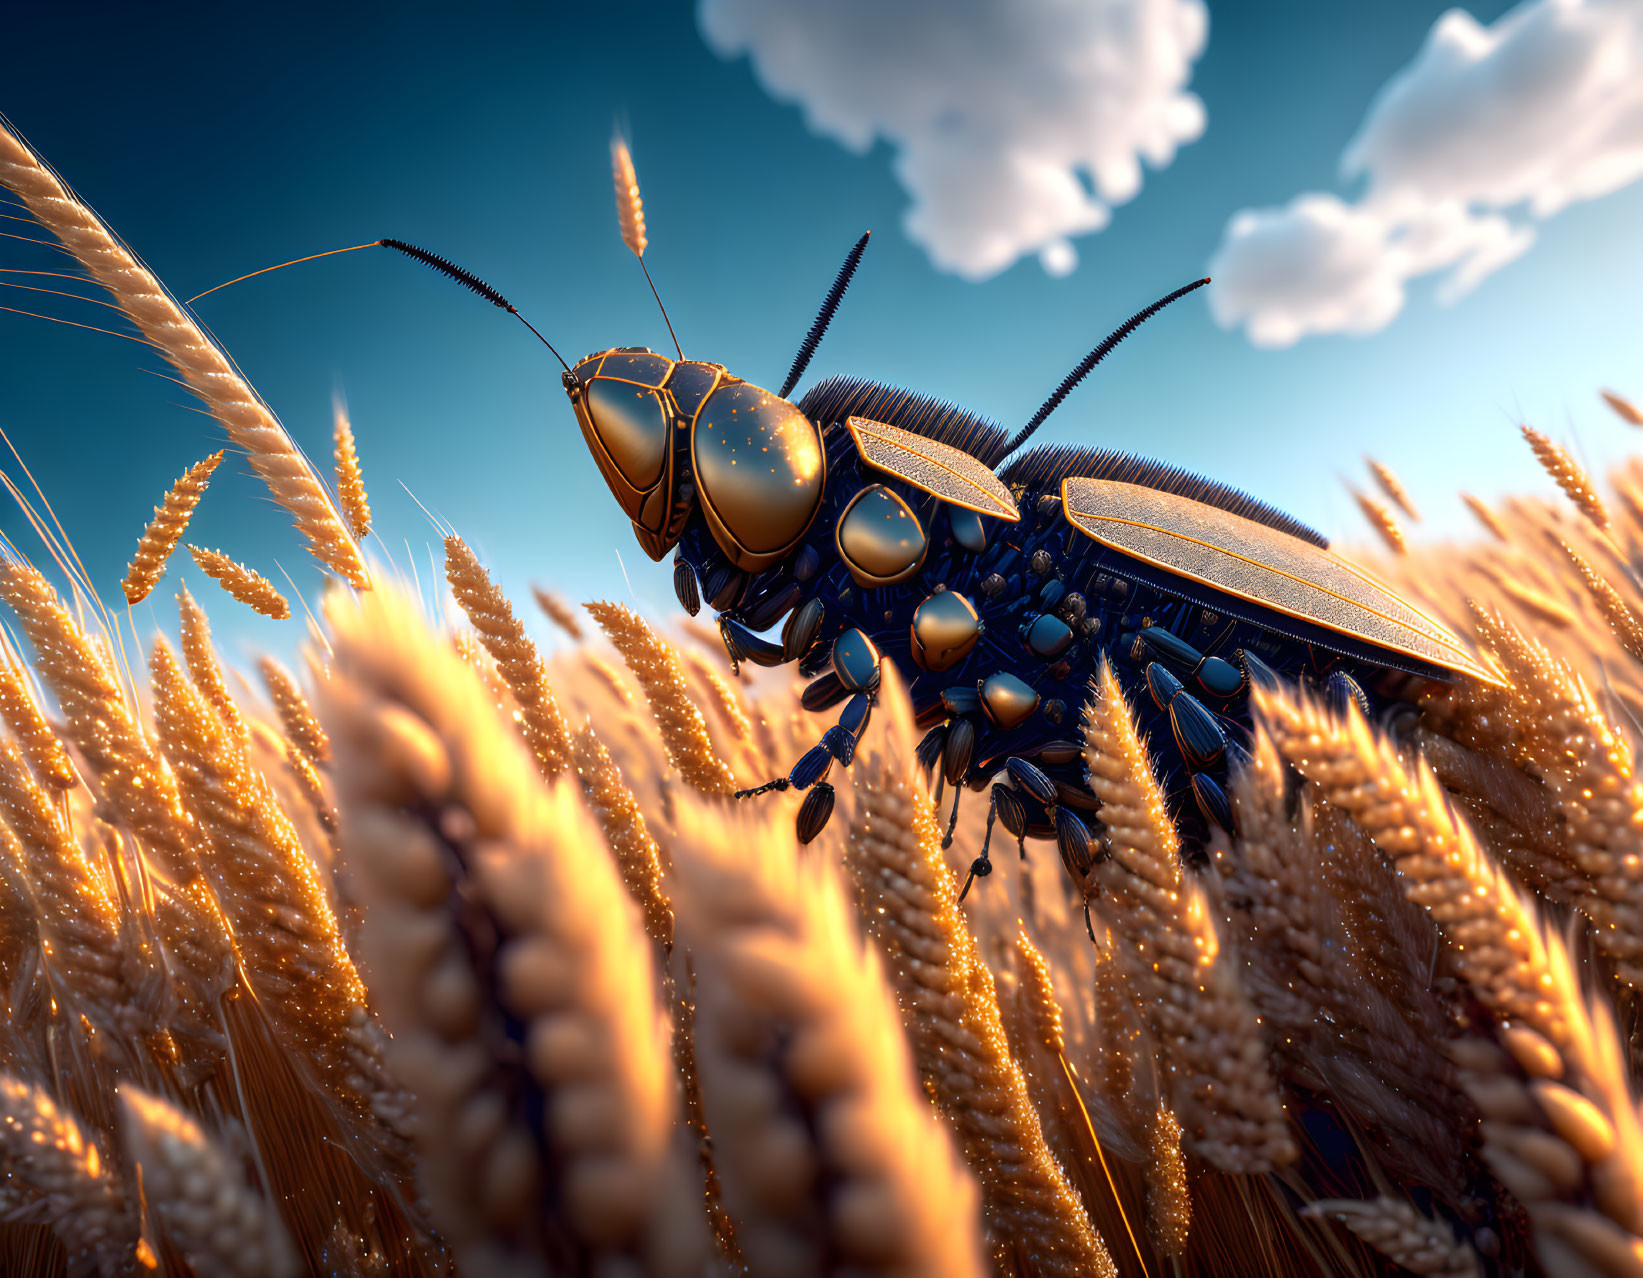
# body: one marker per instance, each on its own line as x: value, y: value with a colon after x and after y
x: 939, y: 469
x: 1240, y: 557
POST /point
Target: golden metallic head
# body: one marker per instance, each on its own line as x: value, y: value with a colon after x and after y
x: 667, y: 433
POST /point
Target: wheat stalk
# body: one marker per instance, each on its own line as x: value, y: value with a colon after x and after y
x: 1393, y: 487
x: 350, y: 479
x: 793, y: 1018
x: 655, y: 663
x: 201, y: 362
x: 909, y: 903
x: 515, y: 655
x: 1204, y: 1024
x: 557, y: 611
x: 492, y: 903
x: 57, y: 1172
x: 166, y: 529
x: 251, y: 588
x: 35, y: 736
x: 302, y: 728
x: 200, y: 1194
x: 1571, y: 477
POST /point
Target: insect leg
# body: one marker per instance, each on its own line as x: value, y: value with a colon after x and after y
x: 838, y: 745
x: 982, y: 866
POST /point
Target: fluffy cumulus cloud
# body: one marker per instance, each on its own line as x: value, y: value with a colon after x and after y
x: 1488, y: 130
x: 1016, y: 124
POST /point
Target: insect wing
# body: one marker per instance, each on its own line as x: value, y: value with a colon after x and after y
x: 1251, y: 561
x: 939, y: 469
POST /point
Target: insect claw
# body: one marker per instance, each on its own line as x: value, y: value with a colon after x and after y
x: 780, y: 783
x: 980, y: 868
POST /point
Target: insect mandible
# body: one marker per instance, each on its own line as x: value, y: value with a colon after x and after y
x: 862, y: 524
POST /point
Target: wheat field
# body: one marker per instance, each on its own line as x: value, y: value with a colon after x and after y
x: 442, y: 956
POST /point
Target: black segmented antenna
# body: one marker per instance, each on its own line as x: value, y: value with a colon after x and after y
x: 472, y: 283
x: 1095, y: 357
x: 824, y: 317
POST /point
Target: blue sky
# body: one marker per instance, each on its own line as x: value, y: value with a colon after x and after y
x: 216, y: 145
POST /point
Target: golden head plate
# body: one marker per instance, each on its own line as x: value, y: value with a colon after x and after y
x: 939, y: 469
x: 1252, y: 561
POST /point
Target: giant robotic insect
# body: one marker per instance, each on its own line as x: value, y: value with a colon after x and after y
x: 862, y: 524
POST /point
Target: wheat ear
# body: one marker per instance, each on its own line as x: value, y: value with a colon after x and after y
x: 138, y: 787
x: 78, y: 914
x: 205, y: 368
x: 1570, y: 475
x: 1408, y: 1239
x: 557, y: 611
x: 1205, y: 1027
x: 302, y: 727
x: 540, y: 719
x: 35, y: 736
x: 200, y: 1193
x: 166, y: 529
x: 1486, y: 516
x: 909, y: 902
x: 511, y: 966
x: 793, y: 1018
x: 655, y: 663
x: 55, y: 1168
x: 195, y: 639
x: 1620, y: 615
x: 1169, y: 1201
x: 1393, y: 487
x: 251, y: 588
x: 1623, y: 407
x: 1380, y: 519
x: 618, y: 814
x: 630, y: 209
x: 356, y: 506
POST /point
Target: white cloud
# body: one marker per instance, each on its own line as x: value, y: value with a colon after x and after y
x: 1016, y: 124
x: 1486, y: 131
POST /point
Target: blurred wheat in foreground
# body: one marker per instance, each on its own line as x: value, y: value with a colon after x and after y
x: 448, y: 958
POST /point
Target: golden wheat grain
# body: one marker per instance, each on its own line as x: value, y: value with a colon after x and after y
x: 792, y: 1019
x: 470, y: 649
x: 557, y: 611
x: 22, y: 713
x: 312, y: 788
x: 56, y: 1172
x: 78, y: 914
x: 1202, y: 1019
x: 166, y: 529
x: 1393, y: 487
x: 194, y: 634
x: 1616, y: 611
x: 1623, y: 407
x: 208, y: 372
x: 630, y: 209
x: 1486, y: 517
x: 725, y: 699
x: 626, y: 832
x: 1570, y: 475
x: 350, y: 479
x: 655, y: 663
x: 200, y: 1194
x: 1490, y: 928
x: 468, y: 858
x: 136, y: 785
x: 1380, y: 519
x: 1169, y: 1200
x: 1410, y: 1240
x: 1044, y: 1015
x: 909, y: 903
x: 302, y: 728
x: 251, y: 588
x: 540, y: 720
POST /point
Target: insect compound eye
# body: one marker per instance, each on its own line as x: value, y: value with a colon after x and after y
x: 760, y: 472
x: 880, y: 538
x: 628, y: 430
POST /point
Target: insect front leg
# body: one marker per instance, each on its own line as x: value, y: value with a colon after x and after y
x: 1012, y: 787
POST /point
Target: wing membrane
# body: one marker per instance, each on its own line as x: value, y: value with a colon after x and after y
x: 1251, y: 561
x: 939, y: 469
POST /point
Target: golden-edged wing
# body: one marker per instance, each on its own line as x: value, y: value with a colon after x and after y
x: 940, y: 469
x: 1252, y: 561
